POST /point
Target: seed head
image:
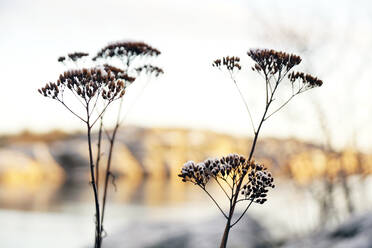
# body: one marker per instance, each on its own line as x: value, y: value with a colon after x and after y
x: 150, y: 70
x: 127, y: 49
x: 77, y: 55
x: 108, y: 81
x: 256, y: 187
x: 308, y: 80
x: 272, y: 62
x: 230, y: 63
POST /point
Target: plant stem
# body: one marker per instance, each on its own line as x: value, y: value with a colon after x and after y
x: 108, y: 173
x: 241, y: 216
x: 98, y: 159
x: 226, y: 232
x: 236, y: 195
x: 97, y: 243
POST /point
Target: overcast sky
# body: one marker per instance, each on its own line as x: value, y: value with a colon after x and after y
x: 333, y: 37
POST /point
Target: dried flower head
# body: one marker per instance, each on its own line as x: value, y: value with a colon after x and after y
x: 149, y: 70
x: 77, y: 55
x: 230, y: 63
x: 86, y: 83
x: 73, y: 56
x: 127, y: 49
x: 307, y: 80
x: 119, y: 73
x: 258, y: 182
x: 231, y: 167
x: 61, y: 59
x: 195, y: 173
x: 275, y: 65
x: 272, y: 62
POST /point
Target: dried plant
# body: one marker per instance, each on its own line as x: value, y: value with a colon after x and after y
x: 87, y: 87
x: 127, y: 52
x: 95, y: 89
x: 132, y: 56
x: 74, y: 57
x: 230, y: 170
x: 248, y: 180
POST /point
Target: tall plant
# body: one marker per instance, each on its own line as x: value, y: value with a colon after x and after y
x: 95, y: 89
x: 132, y: 56
x: 248, y: 181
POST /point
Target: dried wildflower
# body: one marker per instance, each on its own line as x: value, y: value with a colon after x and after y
x: 96, y: 88
x: 77, y: 55
x: 126, y: 52
x: 195, y: 173
x: 73, y: 57
x: 231, y: 168
x: 61, y: 59
x: 102, y: 84
x: 230, y: 63
x: 127, y: 49
x: 119, y: 73
x: 258, y: 182
x: 248, y: 180
x: 307, y: 80
x: 149, y: 70
x: 86, y: 83
x: 272, y: 62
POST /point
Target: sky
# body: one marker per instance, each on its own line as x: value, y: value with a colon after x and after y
x: 333, y: 38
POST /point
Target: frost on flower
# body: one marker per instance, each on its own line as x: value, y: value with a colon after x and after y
x: 231, y: 169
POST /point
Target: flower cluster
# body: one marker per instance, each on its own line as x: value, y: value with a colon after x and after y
x: 228, y: 166
x: 86, y: 83
x: 150, y: 70
x: 73, y: 56
x: 230, y: 63
x: 127, y: 49
x: 234, y: 167
x: 118, y: 73
x: 258, y: 182
x: 307, y: 80
x: 271, y: 61
x: 195, y: 173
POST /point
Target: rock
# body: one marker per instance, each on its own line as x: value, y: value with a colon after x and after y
x: 355, y: 233
x: 203, y: 234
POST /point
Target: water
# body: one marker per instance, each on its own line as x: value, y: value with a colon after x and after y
x: 65, y: 218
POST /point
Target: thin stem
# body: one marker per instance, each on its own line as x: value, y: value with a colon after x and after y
x: 214, y: 202
x: 271, y: 89
x: 244, y: 101
x: 93, y: 183
x: 236, y: 195
x: 267, y: 94
x: 240, y: 200
x: 102, y: 112
x: 227, y: 230
x: 71, y: 111
x: 285, y: 103
x: 99, y: 153
x: 118, y: 122
x: 108, y: 171
x: 226, y: 182
x: 233, y: 187
x: 241, y: 216
x: 222, y: 188
x: 78, y: 98
x: 135, y: 101
x: 95, y: 103
x: 108, y: 168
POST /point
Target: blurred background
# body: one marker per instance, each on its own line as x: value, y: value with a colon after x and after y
x: 319, y: 147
